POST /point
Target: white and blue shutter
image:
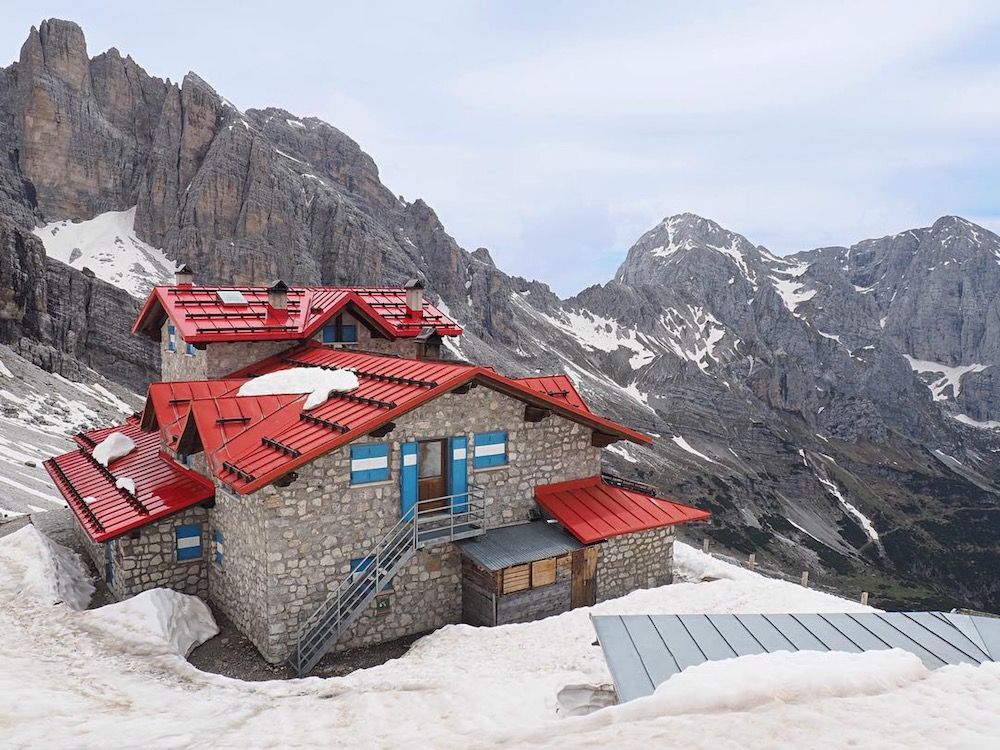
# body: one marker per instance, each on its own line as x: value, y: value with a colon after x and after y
x: 220, y: 550
x: 409, y: 481
x: 171, y: 337
x: 189, y: 541
x: 490, y: 450
x: 459, y: 490
x: 369, y: 463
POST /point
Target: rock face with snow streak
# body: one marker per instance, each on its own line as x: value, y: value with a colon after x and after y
x: 781, y: 389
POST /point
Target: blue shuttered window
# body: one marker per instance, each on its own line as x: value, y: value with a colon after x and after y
x: 171, y: 337
x: 369, y: 463
x: 329, y: 334
x: 189, y: 349
x: 219, y: 548
x: 458, y: 473
x: 349, y: 334
x: 408, y: 479
x: 189, y: 541
x: 490, y: 450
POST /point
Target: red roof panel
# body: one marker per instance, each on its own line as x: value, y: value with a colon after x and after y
x: 557, y: 386
x: 162, y: 486
x: 202, y: 318
x: 592, y: 509
x: 278, y: 435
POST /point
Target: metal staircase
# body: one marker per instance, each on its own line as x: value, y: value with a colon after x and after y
x: 463, y: 517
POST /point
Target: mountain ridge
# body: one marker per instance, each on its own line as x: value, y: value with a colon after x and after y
x: 782, y: 395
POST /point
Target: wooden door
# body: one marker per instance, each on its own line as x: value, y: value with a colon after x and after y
x: 432, y: 475
x: 584, y: 588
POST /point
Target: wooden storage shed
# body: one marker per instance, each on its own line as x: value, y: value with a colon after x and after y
x: 525, y: 572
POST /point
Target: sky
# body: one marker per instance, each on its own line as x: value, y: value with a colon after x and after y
x: 556, y: 133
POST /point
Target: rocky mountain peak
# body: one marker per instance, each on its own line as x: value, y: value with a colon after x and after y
x: 59, y: 48
x: 688, y: 243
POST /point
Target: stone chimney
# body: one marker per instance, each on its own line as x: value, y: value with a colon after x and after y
x: 184, y: 276
x: 415, y: 297
x: 277, y: 295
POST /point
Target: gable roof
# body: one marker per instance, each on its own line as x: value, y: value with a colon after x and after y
x: 162, y: 486
x: 201, y: 317
x: 593, y: 509
x: 251, y: 441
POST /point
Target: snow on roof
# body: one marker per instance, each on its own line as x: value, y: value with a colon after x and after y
x: 114, y: 446
x: 318, y: 382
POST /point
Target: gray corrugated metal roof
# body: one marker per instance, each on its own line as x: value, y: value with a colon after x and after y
x: 643, y: 651
x: 514, y: 545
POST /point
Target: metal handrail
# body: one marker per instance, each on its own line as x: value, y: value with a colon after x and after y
x: 389, y: 552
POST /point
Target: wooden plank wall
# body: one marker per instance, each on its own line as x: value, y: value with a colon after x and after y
x: 479, y: 588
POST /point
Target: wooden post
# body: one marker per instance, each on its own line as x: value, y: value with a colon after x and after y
x: 704, y: 545
x: 805, y: 578
x: 864, y: 598
x: 753, y: 560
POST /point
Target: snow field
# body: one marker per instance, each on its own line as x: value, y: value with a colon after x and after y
x: 82, y: 680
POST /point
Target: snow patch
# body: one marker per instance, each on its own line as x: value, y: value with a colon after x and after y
x: 792, y: 293
x: 36, y: 567
x: 155, y: 622
x: 949, y: 384
x: 5, y: 371
x: 967, y: 420
x: 685, y: 445
x: 126, y: 483
x: 315, y: 381
x: 108, y: 246
x: 852, y: 510
x: 113, y: 447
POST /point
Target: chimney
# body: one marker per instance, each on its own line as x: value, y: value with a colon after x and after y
x: 415, y: 297
x: 277, y: 295
x: 184, y: 276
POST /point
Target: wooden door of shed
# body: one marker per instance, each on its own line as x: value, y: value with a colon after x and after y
x: 583, y: 592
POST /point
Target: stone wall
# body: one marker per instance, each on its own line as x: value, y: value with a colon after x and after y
x: 147, y: 558
x: 317, y: 525
x: 238, y: 586
x: 370, y: 342
x: 635, y: 561
x: 215, y: 360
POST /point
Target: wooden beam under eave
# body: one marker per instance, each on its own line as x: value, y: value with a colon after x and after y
x: 602, y: 439
x: 535, y: 413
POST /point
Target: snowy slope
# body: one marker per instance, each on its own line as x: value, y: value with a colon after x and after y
x: 108, y: 246
x: 38, y: 412
x: 71, y: 679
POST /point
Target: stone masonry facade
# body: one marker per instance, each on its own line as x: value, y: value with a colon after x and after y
x: 296, y: 543
x: 635, y: 561
x: 147, y: 558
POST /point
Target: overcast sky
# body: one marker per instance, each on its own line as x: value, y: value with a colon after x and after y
x: 555, y: 133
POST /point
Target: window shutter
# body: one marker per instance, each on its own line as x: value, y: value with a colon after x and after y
x: 369, y: 463
x: 408, y: 478
x: 459, y: 473
x: 189, y: 541
x: 490, y: 450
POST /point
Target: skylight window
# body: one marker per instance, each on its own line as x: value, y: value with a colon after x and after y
x: 232, y: 297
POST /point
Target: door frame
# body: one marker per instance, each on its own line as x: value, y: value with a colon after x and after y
x: 445, y: 466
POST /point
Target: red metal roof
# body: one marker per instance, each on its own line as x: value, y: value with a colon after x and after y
x: 251, y: 441
x: 592, y: 509
x: 162, y: 486
x: 202, y: 318
x: 557, y: 386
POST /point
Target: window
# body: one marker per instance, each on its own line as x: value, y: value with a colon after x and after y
x: 189, y: 349
x: 171, y: 337
x: 529, y: 575
x: 338, y: 333
x: 231, y: 297
x: 490, y: 450
x: 369, y: 463
x: 188, y: 542
x: 219, y: 549
x: 185, y: 459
